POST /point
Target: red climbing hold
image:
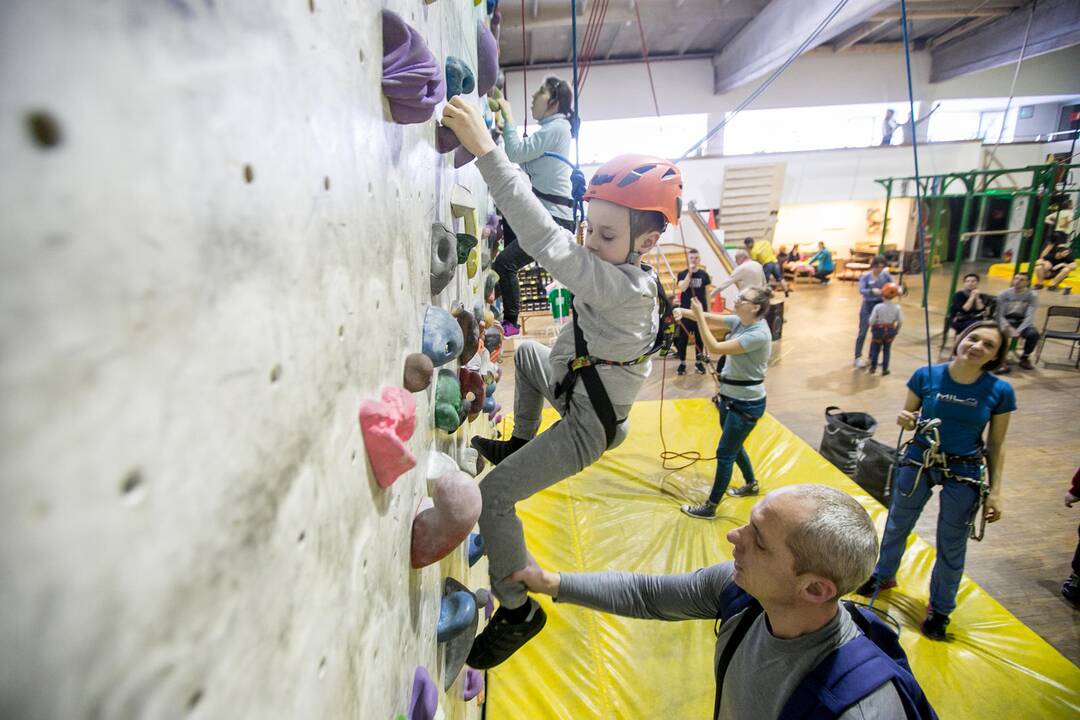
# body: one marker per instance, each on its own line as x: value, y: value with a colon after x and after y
x: 387, y: 425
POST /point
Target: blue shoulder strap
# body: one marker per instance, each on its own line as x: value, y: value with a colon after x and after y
x: 855, y: 670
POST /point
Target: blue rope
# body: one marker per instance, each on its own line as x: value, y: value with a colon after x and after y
x: 918, y: 189
x: 577, y: 178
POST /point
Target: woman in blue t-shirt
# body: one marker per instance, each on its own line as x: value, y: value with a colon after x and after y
x: 966, y: 398
x: 742, y: 386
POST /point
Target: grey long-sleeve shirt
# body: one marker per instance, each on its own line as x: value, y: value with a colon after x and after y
x: 616, y: 304
x: 1012, y: 305
x: 764, y: 671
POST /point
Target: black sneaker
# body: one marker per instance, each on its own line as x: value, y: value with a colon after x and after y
x: 704, y: 511
x: 872, y: 586
x: 681, y: 370
x: 886, y: 371
x: 873, y: 369
x: 495, y: 451
x: 502, y: 638
x: 1025, y: 363
x: 1070, y: 590
x: 699, y: 368
x: 744, y: 491
x: 933, y: 626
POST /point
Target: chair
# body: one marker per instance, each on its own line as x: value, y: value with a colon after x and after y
x: 1073, y: 337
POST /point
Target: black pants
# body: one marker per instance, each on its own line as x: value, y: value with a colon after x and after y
x: 822, y: 275
x: 509, y: 261
x: 1076, y: 555
x: 1030, y: 336
x: 682, y: 339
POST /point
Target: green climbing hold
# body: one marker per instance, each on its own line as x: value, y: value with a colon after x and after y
x: 465, y: 243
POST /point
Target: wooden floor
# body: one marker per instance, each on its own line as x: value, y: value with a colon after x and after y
x: 1026, y: 556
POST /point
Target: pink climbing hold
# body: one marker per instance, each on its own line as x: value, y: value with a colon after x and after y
x: 387, y: 425
x: 437, y: 530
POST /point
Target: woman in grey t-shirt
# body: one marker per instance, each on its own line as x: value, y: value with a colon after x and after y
x: 741, y: 400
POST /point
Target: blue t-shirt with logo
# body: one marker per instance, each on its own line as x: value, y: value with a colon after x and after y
x: 964, y: 409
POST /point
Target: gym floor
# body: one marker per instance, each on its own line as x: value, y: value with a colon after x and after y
x: 1024, y: 557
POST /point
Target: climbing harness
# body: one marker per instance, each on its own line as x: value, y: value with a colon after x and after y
x: 927, y: 438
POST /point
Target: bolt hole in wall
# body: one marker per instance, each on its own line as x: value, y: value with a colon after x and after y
x: 341, y: 332
x: 311, y: 5
x: 322, y: 666
x: 194, y: 700
x: 361, y: 53
x: 301, y: 537
x: 131, y: 484
x: 275, y: 374
x: 44, y: 129
x: 326, y: 183
x: 249, y: 174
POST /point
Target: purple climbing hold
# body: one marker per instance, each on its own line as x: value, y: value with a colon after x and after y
x: 412, y: 79
x: 462, y: 157
x: 425, y: 696
x: 474, y: 683
x: 487, y: 58
x: 445, y: 139
x: 459, y: 77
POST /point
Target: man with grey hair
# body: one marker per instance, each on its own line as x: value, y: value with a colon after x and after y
x: 747, y: 273
x: 804, y: 547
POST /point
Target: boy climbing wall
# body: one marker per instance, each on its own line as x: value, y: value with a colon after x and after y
x: 631, y: 200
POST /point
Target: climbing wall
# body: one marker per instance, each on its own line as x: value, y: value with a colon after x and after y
x: 214, y: 246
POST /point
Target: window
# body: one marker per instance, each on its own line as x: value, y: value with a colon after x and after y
x: 668, y: 137
x: 810, y: 128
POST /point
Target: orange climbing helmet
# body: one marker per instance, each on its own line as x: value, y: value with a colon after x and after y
x: 639, y: 182
x: 890, y: 290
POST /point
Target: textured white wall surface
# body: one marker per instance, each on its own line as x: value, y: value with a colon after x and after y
x: 188, y: 525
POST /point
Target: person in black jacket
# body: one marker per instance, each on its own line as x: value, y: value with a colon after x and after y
x: 968, y: 305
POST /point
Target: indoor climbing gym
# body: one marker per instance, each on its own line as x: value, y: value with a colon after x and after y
x: 540, y: 360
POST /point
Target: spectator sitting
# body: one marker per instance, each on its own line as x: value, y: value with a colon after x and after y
x: 1054, y: 264
x: 968, y: 305
x: 822, y: 263
x: 1016, y: 315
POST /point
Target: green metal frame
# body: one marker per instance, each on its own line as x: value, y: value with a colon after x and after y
x: 934, y: 189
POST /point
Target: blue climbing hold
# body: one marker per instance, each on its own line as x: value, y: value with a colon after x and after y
x: 491, y: 5
x: 456, y: 614
x: 442, y: 339
x: 489, y: 404
x: 476, y: 548
x: 459, y: 77
x: 489, y: 390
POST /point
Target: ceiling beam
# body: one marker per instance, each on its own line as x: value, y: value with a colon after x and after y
x: 944, y: 14
x: 778, y: 30
x: 651, y: 13
x: 857, y: 34
x: 961, y: 29
x: 1055, y: 26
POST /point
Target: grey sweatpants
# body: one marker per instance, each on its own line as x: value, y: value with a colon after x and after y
x: 566, y: 448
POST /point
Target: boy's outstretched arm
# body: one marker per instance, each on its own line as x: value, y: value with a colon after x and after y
x: 595, y: 281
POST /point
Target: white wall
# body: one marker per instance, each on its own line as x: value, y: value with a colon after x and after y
x: 818, y: 78
x: 181, y: 535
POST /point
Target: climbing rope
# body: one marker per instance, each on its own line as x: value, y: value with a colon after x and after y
x: 597, y: 14
x: 919, y: 230
x: 524, y: 75
x: 645, y: 54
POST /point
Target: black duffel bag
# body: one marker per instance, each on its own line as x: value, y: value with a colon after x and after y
x: 873, y: 467
x: 843, y: 432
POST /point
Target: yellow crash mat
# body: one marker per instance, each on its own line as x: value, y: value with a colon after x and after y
x: 623, y: 514
x: 1005, y: 270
